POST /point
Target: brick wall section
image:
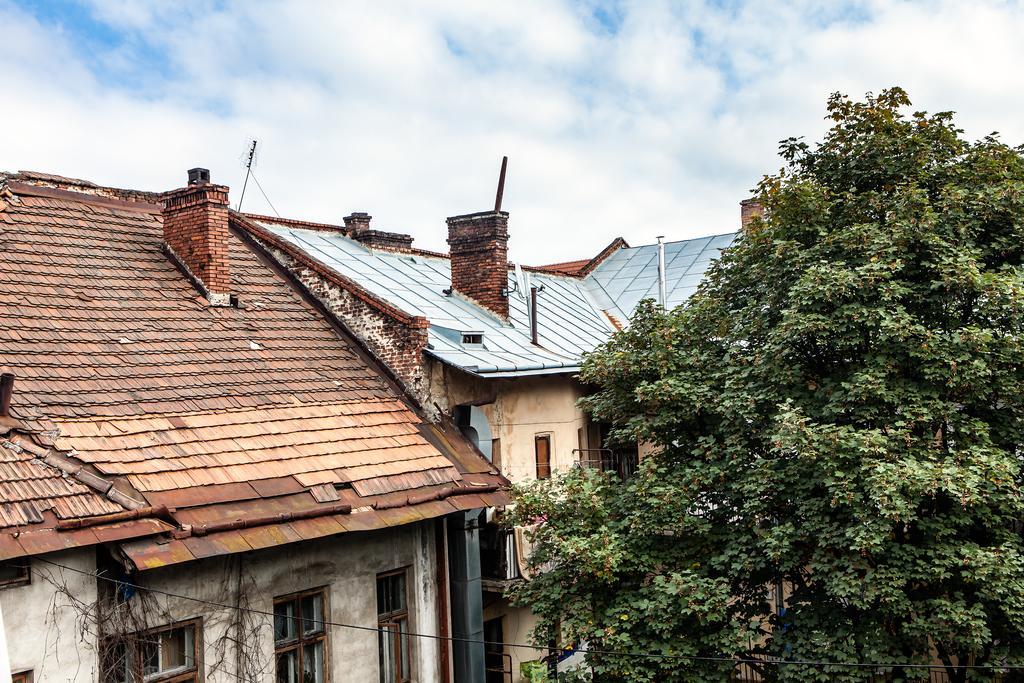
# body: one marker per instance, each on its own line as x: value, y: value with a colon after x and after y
x: 196, y: 230
x: 478, y: 245
x: 381, y: 239
x: 749, y: 209
x: 396, y: 338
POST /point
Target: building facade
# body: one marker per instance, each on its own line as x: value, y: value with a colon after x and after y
x: 203, y: 474
x: 494, y: 347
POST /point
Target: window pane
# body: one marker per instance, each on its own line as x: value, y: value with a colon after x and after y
x: 312, y: 614
x: 288, y: 667
x: 313, y: 662
x: 284, y: 621
x: 387, y: 647
x: 397, y: 592
x: 173, y: 648
x: 150, y: 655
x: 403, y: 644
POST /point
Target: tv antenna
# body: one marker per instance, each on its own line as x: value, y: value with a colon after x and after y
x: 248, y: 159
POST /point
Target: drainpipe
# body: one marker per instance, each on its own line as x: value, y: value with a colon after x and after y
x: 533, y: 316
x: 466, y: 596
x: 663, y: 299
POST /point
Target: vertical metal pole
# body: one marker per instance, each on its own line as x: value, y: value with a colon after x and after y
x: 663, y: 298
x: 501, y: 184
x: 533, y: 316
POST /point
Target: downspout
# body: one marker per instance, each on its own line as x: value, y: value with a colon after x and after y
x: 466, y: 597
x: 533, y: 316
x: 662, y: 298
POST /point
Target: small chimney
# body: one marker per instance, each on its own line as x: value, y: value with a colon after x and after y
x: 749, y: 209
x: 478, y: 245
x: 357, y: 222
x: 6, y: 390
x: 196, y: 234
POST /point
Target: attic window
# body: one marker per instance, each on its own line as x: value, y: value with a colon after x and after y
x: 15, y: 572
x: 473, y: 338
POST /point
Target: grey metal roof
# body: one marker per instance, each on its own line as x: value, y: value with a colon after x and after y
x: 571, y: 318
x: 631, y: 274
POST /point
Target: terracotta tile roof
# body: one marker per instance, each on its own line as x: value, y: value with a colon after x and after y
x: 126, y: 376
x: 565, y: 268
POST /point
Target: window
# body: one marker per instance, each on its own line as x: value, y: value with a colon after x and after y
x: 166, y: 654
x: 473, y: 338
x: 15, y: 572
x: 393, y: 622
x: 300, y: 638
x: 542, y: 449
x: 22, y: 677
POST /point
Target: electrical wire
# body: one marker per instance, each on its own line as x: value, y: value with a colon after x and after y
x: 257, y: 181
x: 610, y: 653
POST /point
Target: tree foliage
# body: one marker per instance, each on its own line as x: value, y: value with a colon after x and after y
x: 837, y: 410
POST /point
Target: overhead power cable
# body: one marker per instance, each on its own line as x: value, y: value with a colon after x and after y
x: 610, y: 653
x: 256, y: 180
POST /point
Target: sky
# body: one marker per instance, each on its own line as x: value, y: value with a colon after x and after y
x: 631, y: 119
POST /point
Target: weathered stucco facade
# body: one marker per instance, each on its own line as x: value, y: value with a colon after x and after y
x: 52, y: 623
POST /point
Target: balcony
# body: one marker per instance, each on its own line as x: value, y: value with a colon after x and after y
x: 499, y: 565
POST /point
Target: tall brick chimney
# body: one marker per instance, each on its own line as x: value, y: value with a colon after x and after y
x: 478, y: 245
x: 749, y: 209
x: 196, y: 233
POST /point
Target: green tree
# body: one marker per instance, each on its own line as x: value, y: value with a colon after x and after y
x: 838, y: 410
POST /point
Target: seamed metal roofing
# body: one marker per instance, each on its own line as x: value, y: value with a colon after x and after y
x: 629, y: 275
x: 575, y: 314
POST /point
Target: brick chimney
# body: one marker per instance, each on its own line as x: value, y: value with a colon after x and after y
x: 357, y: 226
x: 196, y: 234
x: 749, y: 209
x: 478, y: 245
x: 357, y: 222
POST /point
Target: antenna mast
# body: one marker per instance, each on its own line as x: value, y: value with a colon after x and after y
x: 248, y: 170
x: 501, y: 184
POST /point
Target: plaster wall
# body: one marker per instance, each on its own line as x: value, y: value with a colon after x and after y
x: 517, y: 624
x: 517, y: 410
x: 50, y: 637
x: 44, y: 620
x: 346, y: 566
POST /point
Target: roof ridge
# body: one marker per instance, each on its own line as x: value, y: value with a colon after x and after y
x: 40, y: 180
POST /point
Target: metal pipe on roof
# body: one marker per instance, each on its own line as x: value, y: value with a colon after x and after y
x: 160, y: 512
x: 663, y: 298
x: 501, y: 185
x: 6, y: 391
x: 533, y: 316
x: 249, y: 522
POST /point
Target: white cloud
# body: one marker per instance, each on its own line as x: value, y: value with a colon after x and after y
x: 404, y: 109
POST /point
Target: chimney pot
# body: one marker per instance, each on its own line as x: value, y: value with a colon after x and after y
x: 358, y: 222
x: 198, y: 176
x: 478, y: 246
x: 6, y: 391
x: 196, y: 234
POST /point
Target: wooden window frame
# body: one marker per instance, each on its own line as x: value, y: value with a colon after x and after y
x: 546, y: 468
x: 134, y: 653
x: 385, y: 622
x: 22, y: 676
x: 25, y: 565
x: 300, y: 641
